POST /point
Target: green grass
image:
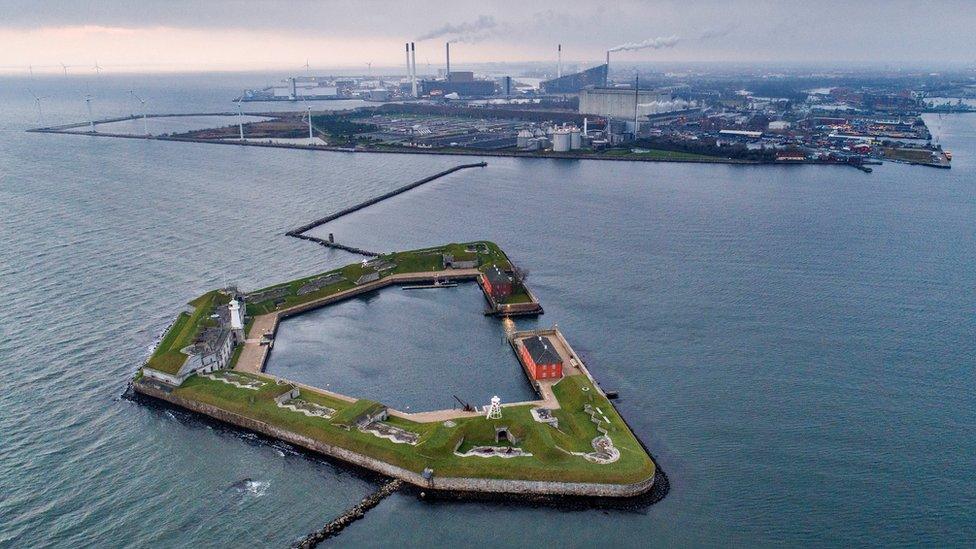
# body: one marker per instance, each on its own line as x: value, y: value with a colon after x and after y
x: 167, y: 356
x: 412, y: 261
x: 520, y: 296
x: 658, y: 154
x: 437, y: 442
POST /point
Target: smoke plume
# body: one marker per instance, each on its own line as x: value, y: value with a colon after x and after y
x: 652, y: 43
x: 717, y: 32
x: 655, y: 107
x: 476, y: 30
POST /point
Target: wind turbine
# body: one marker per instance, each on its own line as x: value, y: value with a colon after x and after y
x: 30, y: 71
x: 240, y: 117
x: 65, y: 67
x: 145, y: 121
x: 307, y: 68
x: 369, y: 68
x: 91, y: 120
x: 37, y: 101
x: 98, y: 69
x: 308, y: 112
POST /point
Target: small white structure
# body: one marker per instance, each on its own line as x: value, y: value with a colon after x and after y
x: 236, y: 322
x: 495, y: 409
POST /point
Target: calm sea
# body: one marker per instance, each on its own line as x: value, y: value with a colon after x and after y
x: 795, y: 344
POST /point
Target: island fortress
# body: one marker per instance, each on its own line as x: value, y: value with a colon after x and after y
x: 571, y: 441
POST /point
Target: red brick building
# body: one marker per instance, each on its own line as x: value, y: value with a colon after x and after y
x: 497, y: 283
x: 541, y: 358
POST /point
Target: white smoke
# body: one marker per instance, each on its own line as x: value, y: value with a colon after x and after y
x: 464, y: 32
x: 655, y: 107
x: 652, y: 43
x: 717, y: 32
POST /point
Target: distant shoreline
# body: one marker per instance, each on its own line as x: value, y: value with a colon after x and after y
x: 62, y: 130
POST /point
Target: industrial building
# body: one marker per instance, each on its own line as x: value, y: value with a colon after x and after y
x: 462, y: 83
x: 621, y: 102
x: 573, y: 83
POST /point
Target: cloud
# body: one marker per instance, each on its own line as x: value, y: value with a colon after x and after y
x: 652, y: 43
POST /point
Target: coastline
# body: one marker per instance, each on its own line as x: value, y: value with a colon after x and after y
x: 451, y: 485
x: 438, y: 152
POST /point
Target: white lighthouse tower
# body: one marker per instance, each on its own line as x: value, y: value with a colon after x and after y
x: 236, y: 320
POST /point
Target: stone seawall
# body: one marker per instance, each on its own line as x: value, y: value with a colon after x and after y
x: 445, y: 484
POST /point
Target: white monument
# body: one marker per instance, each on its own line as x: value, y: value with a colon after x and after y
x: 495, y: 410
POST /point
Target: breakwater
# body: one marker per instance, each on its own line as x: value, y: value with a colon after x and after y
x: 380, y: 198
x: 349, y: 516
x: 331, y: 243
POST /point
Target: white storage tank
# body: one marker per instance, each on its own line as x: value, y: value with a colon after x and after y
x: 562, y: 140
x: 575, y: 139
x: 522, y: 139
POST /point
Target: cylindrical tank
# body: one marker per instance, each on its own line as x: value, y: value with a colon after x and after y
x: 575, y: 139
x: 562, y: 140
x: 522, y: 139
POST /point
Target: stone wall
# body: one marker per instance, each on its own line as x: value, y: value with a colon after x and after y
x: 497, y: 486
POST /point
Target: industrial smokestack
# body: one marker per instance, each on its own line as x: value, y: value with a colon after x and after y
x: 559, y: 65
x: 636, y: 98
x: 407, y: 47
x: 413, y: 69
x: 447, y: 75
x: 606, y: 79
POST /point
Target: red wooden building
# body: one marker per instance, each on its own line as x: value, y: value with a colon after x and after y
x: 541, y: 359
x: 497, y: 283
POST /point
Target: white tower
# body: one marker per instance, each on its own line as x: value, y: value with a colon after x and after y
x: 236, y: 322
x: 495, y: 410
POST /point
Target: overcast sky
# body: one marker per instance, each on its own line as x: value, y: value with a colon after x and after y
x: 235, y: 35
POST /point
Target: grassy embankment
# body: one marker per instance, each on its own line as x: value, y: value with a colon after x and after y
x: 550, y: 447
x: 167, y: 356
x: 658, y: 154
x: 413, y: 261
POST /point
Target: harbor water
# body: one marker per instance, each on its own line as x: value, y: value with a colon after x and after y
x: 794, y: 344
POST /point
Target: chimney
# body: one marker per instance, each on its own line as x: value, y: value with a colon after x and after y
x: 559, y: 66
x: 606, y: 79
x: 407, y: 47
x: 413, y: 69
x: 636, y: 99
x: 447, y: 75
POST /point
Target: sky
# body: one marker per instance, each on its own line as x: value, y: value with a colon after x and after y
x: 177, y: 35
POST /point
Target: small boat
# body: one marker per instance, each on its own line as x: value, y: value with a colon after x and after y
x: 437, y: 284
